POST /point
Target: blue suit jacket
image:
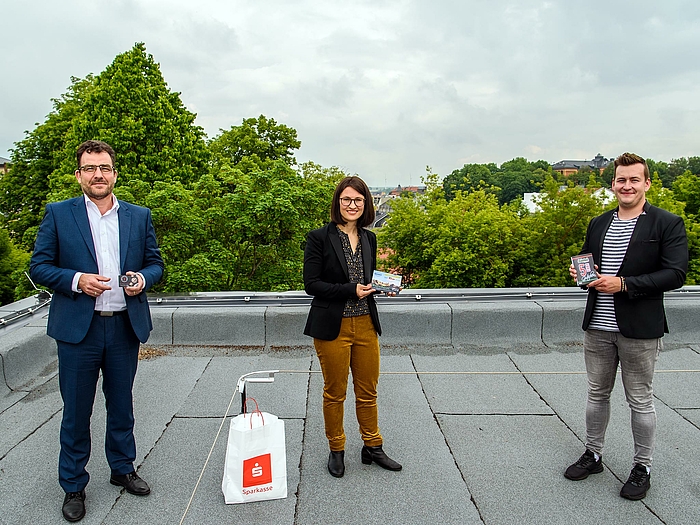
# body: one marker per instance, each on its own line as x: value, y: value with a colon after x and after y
x: 64, y: 246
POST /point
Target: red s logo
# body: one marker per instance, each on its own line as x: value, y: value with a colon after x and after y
x: 257, y: 471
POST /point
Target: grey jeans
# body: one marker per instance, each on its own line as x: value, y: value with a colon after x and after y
x: 637, y: 358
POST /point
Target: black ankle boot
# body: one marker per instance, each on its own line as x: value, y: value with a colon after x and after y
x: 377, y: 455
x: 336, y: 463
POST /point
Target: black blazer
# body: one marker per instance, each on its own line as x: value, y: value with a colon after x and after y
x: 327, y: 279
x: 656, y: 261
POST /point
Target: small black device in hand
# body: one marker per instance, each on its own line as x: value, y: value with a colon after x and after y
x: 128, y: 280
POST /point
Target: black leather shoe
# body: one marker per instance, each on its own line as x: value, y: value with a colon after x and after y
x: 378, y: 455
x: 336, y: 463
x: 132, y: 483
x: 74, y: 506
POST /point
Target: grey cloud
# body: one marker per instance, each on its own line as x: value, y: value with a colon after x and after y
x: 383, y: 88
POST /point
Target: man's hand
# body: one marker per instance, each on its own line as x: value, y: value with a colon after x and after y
x: 572, y: 271
x: 93, y: 284
x: 607, y: 284
x: 135, y: 290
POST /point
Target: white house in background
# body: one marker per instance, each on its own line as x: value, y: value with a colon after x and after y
x: 530, y: 199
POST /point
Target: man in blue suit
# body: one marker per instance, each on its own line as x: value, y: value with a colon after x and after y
x: 83, y: 246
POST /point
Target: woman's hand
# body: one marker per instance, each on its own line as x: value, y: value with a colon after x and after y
x: 363, y: 290
x: 393, y: 294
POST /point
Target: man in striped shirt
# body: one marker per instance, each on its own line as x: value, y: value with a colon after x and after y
x: 640, y: 252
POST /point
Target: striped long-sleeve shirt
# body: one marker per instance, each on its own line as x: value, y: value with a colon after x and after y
x: 617, y: 238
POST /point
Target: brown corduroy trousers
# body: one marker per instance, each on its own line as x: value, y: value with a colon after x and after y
x: 356, y: 348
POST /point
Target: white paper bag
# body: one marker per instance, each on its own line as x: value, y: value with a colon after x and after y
x: 256, y: 459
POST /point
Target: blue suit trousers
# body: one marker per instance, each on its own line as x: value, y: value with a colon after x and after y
x: 110, y: 347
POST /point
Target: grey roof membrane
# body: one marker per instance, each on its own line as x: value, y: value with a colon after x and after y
x: 484, y: 438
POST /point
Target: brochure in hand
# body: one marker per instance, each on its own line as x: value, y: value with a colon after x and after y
x: 386, y: 282
x: 585, y: 269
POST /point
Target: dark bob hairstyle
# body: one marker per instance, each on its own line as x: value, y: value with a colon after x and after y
x: 357, y: 184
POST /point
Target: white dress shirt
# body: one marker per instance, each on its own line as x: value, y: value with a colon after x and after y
x: 105, y: 237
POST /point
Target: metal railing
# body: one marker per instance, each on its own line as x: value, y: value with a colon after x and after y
x: 409, y: 295
x: 23, y: 313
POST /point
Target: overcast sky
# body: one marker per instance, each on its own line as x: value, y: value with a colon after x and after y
x: 383, y: 88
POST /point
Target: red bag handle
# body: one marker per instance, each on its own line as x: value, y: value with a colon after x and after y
x: 256, y: 411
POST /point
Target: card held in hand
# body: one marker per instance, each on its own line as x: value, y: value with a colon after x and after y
x: 585, y: 269
x: 386, y: 282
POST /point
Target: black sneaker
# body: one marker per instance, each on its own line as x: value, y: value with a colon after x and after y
x: 637, y: 484
x: 585, y: 465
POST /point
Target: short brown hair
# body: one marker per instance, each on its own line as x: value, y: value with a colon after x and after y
x: 94, y: 146
x: 357, y: 184
x: 628, y: 159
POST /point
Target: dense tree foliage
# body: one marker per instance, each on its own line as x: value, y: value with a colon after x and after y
x: 255, y: 144
x: 12, y: 262
x: 238, y: 231
x: 23, y: 190
x: 469, y: 240
x: 231, y: 213
x: 553, y: 234
x: 241, y: 226
x: 507, y: 183
x: 464, y: 242
x: 129, y: 106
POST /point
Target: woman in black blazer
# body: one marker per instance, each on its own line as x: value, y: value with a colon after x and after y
x: 338, y: 263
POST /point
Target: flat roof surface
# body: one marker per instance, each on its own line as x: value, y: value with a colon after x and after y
x: 483, y: 437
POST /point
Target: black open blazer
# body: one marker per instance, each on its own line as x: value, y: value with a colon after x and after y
x: 656, y: 262
x: 327, y: 279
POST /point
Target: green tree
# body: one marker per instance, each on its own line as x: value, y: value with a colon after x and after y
x: 661, y: 168
x: 466, y: 242
x: 315, y: 172
x: 470, y: 177
x: 255, y: 144
x: 686, y: 188
x: 518, y: 176
x: 405, y: 238
x: 11, y: 259
x: 693, y: 232
x: 694, y: 165
x: 509, y: 182
x: 24, y: 189
x: 238, y: 231
x: 131, y: 107
x: 555, y: 233
x: 242, y: 225
x: 663, y: 197
x: 608, y: 174
x: 676, y: 168
x: 474, y: 244
x: 583, y: 176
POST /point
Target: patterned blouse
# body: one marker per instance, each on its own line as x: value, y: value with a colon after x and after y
x: 354, y: 307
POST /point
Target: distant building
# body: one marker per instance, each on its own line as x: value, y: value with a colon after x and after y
x: 398, y: 191
x: 382, y: 201
x: 570, y: 167
x: 4, y: 165
x: 379, y: 196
